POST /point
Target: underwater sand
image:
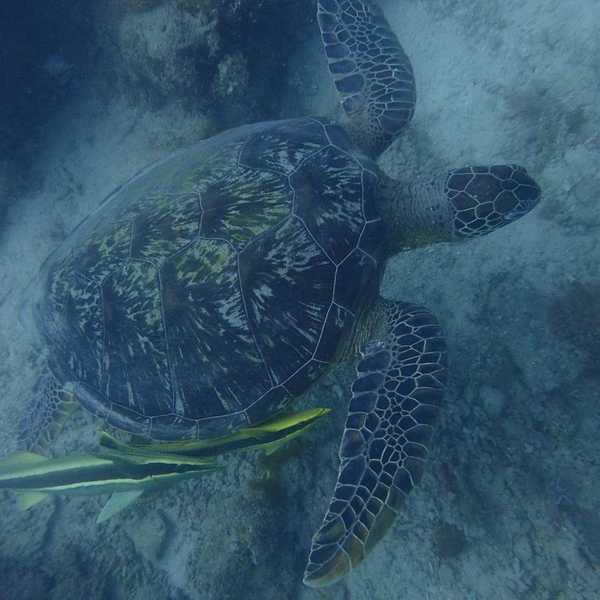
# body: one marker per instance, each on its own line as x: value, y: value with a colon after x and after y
x: 509, y: 505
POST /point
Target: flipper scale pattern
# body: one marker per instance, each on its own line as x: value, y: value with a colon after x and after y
x: 395, y: 400
x: 371, y: 71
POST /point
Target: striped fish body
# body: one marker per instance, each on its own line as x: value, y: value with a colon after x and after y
x: 94, y: 474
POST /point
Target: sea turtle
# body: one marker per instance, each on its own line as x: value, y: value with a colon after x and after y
x: 217, y: 285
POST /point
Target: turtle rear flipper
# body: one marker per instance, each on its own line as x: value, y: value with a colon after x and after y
x: 395, y: 401
x: 45, y: 416
x: 371, y: 72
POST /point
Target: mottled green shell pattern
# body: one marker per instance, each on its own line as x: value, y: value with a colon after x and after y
x: 217, y: 284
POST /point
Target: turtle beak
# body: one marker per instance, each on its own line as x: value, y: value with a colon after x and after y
x: 528, y: 192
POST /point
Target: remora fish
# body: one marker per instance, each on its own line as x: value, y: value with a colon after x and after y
x: 268, y: 436
x: 34, y: 477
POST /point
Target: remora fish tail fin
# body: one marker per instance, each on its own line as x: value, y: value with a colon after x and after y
x: 20, y: 459
x: 26, y: 500
x: 116, y: 503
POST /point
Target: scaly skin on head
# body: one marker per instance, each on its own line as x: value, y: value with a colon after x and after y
x: 458, y: 204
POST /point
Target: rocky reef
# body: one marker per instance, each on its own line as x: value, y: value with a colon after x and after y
x: 220, y: 57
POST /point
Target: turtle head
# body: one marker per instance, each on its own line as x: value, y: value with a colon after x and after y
x: 483, y: 199
x: 456, y: 204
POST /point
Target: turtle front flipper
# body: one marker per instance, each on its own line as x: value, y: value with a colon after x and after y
x: 45, y: 416
x: 371, y: 72
x: 395, y: 400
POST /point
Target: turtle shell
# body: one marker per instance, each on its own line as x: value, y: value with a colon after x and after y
x: 217, y: 284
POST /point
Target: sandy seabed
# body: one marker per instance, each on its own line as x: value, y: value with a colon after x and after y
x: 509, y: 506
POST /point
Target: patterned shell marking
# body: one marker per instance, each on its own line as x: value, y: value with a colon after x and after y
x: 216, y: 285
